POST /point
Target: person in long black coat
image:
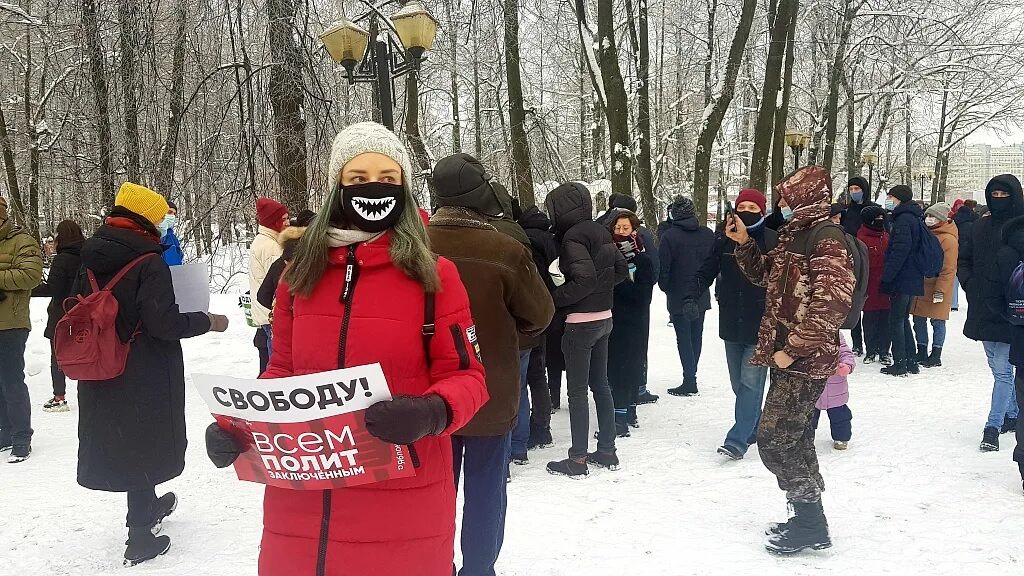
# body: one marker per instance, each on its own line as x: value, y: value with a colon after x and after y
x: 978, y: 272
x: 131, y: 428
x: 963, y: 217
x: 684, y: 246
x: 631, y: 317
x: 740, y: 309
x: 57, y: 287
x: 544, y: 390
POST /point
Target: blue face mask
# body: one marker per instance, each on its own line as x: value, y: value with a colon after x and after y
x: 857, y: 196
x: 787, y: 213
x: 890, y: 205
x: 165, y: 225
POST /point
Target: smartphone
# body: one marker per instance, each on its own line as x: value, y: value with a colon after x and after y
x: 729, y: 216
x: 728, y: 208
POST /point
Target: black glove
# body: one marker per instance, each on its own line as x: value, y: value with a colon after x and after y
x: 222, y: 448
x: 405, y: 419
x: 690, y: 311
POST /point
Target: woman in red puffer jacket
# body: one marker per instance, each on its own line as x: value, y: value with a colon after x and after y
x: 355, y: 295
x: 876, y: 309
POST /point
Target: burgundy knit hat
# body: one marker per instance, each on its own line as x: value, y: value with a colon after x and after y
x: 755, y: 196
x: 270, y: 213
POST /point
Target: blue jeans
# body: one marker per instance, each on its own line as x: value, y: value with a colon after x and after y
x: 1004, y: 396
x: 956, y: 292
x: 268, y: 330
x: 15, y: 406
x: 484, y: 462
x: 521, y: 433
x: 921, y: 330
x: 748, y: 384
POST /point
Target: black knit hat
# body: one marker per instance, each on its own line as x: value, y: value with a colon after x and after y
x: 622, y: 201
x: 873, y: 217
x: 681, y: 208
x: 461, y: 180
x: 902, y: 192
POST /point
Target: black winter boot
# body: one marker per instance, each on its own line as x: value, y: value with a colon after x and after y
x: 990, y: 439
x: 604, y: 460
x: 913, y: 367
x: 898, y: 368
x: 631, y: 418
x: 922, y: 353
x: 540, y: 437
x: 807, y: 529
x: 569, y: 467
x: 689, y: 388
x: 143, y: 545
x: 621, y: 426
x: 1009, y: 425
x: 934, y: 359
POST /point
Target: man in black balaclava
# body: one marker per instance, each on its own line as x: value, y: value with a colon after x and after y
x: 978, y: 274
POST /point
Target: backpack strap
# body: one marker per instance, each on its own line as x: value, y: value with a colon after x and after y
x: 120, y: 275
x: 429, y: 329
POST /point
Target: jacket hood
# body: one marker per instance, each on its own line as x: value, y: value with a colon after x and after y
x: 808, y: 192
x: 946, y: 228
x: 689, y: 223
x: 110, y: 249
x: 965, y: 214
x: 862, y: 183
x: 1008, y: 183
x: 1013, y: 233
x: 908, y: 207
x: 622, y: 201
x: 534, y: 219
x: 72, y: 248
x: 568, y: 205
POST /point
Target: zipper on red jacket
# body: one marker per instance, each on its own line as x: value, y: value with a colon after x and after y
x: 351, y: 277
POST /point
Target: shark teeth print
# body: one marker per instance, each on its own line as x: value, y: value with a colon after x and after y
x: 373, y: 209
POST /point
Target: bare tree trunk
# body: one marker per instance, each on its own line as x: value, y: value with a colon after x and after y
x: 98, y: 77
x: 644, y: 170
x: 287, y: 99
x: 412, y: 132
x: 11, y: 170
x: 616, y: 107
x: 128, y: 18
x: 453, y: 32
x: 31, y: 218
x: 942, y: 135
x: 714, y: 113
x: 709, y: 63
x: 782, y: 114
x: 851, y: 131
x: 522, y: 169
x: 779, y: 20
x: 165, y: 164
x: 909, y: 176
x: 835, y: 82
x: 477, y: 113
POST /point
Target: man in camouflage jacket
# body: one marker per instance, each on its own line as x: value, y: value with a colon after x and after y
x: 808, y: 298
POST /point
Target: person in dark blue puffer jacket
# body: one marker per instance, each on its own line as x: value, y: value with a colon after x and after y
x: 902, y: 279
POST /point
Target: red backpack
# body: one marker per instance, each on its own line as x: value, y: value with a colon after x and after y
x: 85, y: 339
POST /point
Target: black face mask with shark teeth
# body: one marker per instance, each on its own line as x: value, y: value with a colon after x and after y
x: 374, y: 206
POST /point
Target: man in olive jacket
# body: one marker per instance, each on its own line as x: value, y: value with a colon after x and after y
x: 21, y: 269
x: 508, y: 300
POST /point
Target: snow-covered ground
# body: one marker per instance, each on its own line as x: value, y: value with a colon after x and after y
x: 913, y: 495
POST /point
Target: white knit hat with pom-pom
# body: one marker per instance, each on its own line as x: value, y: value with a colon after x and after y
x: 362, y: 138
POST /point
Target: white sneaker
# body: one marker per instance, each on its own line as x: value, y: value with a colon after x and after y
x: 56, y: 404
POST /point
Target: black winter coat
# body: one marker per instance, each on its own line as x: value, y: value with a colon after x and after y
x: 631, y: 324
x: 901, y: 274
x: 684, y: 246
x: 964, y: 218
x: 978, y: 273
x: 851, y: 219
x: 587, y: 255
x: 59, y: 282
x: 537, y: 226
x: 131, y: 429
x: 740, y: 302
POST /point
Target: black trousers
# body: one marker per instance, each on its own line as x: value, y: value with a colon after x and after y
x: 876, y: 332
x: 60, y: 382
x: 540, y: 394
x: 858, y: 335
x: 140, y: 507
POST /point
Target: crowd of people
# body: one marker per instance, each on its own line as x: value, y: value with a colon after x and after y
x: 478, y: 310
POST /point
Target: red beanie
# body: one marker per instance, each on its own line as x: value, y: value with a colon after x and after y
x: 270, y: 213
x: 752, y: 195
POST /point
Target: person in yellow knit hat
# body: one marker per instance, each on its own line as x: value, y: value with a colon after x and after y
x: 131, y: 429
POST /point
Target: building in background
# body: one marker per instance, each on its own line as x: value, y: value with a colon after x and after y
x: 973, y: 165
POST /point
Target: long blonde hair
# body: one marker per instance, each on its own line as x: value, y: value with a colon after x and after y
x: 409, y: 247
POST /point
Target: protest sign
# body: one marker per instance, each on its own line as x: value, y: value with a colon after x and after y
x: 191, y: 287
x: 307, y: 432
